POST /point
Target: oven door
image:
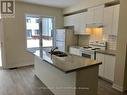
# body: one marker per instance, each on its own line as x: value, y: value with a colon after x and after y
x: 91, y: 56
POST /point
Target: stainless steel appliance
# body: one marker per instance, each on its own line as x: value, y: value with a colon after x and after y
x: 90, y: 51
x: 64, y: 38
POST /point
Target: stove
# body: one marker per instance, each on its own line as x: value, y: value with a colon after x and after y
x: 90, y: 51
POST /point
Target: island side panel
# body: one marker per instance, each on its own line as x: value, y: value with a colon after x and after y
x: 57, y: 81
x: 87, y: 81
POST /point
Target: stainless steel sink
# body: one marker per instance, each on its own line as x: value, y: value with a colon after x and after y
x: 58, y: 53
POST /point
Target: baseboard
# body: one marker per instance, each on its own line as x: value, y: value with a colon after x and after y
x: 119, y: 88
x: 109, y: 81
x: 16, y: 67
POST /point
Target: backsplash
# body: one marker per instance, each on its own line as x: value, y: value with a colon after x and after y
x: 112, y: 42
x: 83, y: 40
x: 96, y: 34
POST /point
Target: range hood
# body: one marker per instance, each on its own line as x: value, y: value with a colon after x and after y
x: 94, y: 25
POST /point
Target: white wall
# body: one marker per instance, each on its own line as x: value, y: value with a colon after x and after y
x: 2, y: 43
x: 15, y: 34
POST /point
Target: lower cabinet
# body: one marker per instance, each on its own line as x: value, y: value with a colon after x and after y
x: 106, y: 70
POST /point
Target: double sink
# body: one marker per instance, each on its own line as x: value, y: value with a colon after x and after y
x: 58, y: 53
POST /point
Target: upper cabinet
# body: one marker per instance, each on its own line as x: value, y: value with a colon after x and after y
x: 90, y: 16
x: 115, y: 19
x: 80, y: 24
x: 98, y: 14
x: 108, y: 19
x: 111, y: 19
x: 69, y: 20
x: 108, y: 16
x: 95, y: 15
x: 78, y: 21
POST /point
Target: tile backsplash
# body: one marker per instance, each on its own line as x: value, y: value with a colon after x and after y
x: 83, y: 40
x: 112, y: 42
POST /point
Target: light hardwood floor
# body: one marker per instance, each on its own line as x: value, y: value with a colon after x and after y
x: 23, y: 82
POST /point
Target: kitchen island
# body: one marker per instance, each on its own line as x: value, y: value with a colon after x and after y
x: 70, y: 75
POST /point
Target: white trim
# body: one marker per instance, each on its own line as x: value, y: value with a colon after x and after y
x: 117, y: 87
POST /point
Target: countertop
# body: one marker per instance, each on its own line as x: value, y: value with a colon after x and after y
x: 68, y: 64
x: 108, y: 52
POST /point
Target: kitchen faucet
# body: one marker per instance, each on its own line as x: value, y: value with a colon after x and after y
x: 53, y: 49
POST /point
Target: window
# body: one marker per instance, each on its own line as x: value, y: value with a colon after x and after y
x: 29, y: 33
x: 28, y: 20
x: 38, y: 31
x: 47, y: 26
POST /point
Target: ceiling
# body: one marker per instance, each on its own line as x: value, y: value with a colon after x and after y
x: 54, y: 3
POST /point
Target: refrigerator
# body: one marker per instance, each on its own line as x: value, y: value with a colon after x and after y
x: 64, y: 38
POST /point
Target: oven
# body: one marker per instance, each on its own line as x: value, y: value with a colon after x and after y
x: 89, y: 54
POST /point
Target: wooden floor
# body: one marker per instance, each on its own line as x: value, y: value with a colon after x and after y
x: 23, y: 82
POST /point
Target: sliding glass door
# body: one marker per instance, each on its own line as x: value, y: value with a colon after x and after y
x: 47, y: 27
x: 39, y: 34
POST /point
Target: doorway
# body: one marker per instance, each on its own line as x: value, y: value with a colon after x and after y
x: 39, y: 34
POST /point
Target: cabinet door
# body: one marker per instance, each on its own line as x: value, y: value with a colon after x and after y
x: 109, y: 67
x: 100, y: 57
x: 115, y: 19
x: 108, y: 20
x: 98, y: 14
x: 90, y: 16
x: 69, y: 20
x: 82, y: 23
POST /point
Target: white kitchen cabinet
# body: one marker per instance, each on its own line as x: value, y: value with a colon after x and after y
x: 111, y: 20
x: 109, y: 67
x: 80, y: 25
x: 69, y: 20
x: 78, y: 21
x: 90, y: 16
x: 108, y: 20
x: 98, y: 14
x: 115, y: 19
x: 106, y: 70
x: 75, y: 51
x: 100, y: 57
x: 95, y: 14
x: 77, y: 24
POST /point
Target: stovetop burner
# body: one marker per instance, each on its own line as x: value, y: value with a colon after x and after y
x: 86, y: 47
x: 89, y: 48
x: 95, y: 48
